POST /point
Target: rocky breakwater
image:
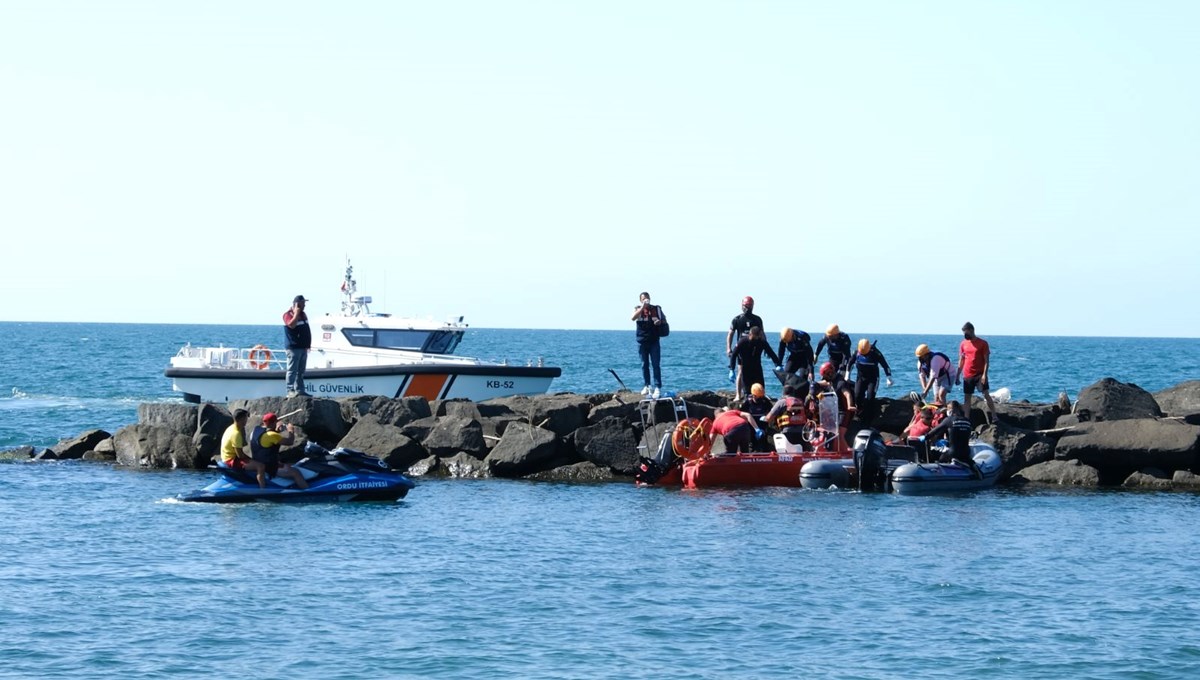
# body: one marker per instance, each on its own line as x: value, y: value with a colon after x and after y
x: 1115, y: 434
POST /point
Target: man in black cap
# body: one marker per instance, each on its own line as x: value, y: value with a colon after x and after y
x: 298, y: 337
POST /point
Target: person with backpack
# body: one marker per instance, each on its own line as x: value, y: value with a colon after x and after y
x: 934, y: 369
x: 651, y: 324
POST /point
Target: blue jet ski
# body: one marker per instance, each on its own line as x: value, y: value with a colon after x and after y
x: 340, y: 475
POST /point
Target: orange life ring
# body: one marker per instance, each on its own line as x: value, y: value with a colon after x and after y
x: 260, y: 357
x: 690, y: 438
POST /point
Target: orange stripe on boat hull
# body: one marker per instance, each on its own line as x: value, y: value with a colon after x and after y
x: 426, y: 385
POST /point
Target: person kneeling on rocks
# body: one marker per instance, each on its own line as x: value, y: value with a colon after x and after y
x: 265, y: 442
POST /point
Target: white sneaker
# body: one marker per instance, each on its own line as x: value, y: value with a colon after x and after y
x: 646, y: 389
x: 654, y: 394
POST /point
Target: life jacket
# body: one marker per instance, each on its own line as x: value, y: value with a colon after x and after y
x: 794, y: 414
x: 263, y: 454
x: 927, y: 365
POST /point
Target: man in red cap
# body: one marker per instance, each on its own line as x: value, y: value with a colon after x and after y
x: 265, y: 442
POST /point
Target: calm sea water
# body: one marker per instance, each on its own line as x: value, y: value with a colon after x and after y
x: 103, y: 575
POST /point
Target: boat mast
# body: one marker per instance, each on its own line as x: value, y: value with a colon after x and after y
x: 353, y: 305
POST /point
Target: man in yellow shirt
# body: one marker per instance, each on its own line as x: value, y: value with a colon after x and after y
x: 233, y: 444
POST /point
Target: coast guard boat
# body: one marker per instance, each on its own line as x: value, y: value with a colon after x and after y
x: 354, y: 353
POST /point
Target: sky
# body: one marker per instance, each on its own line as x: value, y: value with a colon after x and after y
x: 894, y: 167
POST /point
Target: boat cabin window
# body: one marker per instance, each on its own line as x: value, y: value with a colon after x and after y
x: 433, y: 342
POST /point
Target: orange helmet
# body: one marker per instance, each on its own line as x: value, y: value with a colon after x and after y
x: 786, y: 334
x: 864, y: 346
x: 832, y: 330
x: 922, y: 350
x: 757, y: 390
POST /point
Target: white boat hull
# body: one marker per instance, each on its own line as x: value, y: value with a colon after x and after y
x: 431, y: 381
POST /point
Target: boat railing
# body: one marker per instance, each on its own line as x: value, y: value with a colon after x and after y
x: 258, y: 357
x: 261, y: 357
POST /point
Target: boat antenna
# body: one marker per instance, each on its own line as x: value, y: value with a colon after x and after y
x: 351, y: 305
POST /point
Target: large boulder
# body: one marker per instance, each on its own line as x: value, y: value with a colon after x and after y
x: 1060, y: 472
x: 397, y: 412
x: 213, y: 420
x: 1109, y: 399
x: 458, y: 466
x: 1119, y: 447
x: 609, y: 443
x: 584, y: 471
x: 894, y: 415
x: 373, y: 436
x: 453, y: 434
x: 562, y: 414
x: 707, y: 397
x: 524, y: 449
x: 462, y: 408
x: 1018, y: 448
x: 18, y: 453
x: 1181, y: 401
x: 177, y: 417
x: 493, y: 428
x: 1026, y: 415
x: 321, y: 420
x: 419, y: 429
x: 105, y: 451
x: 626, y: 411
x: 1150, y: 479
x: 69, y: 449
x: 1186, y: 479
x: 155, y: 446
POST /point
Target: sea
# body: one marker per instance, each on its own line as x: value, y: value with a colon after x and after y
x: 103, y: 574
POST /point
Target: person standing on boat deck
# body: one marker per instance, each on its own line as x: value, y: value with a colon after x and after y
x: 867, y: 361
x: 298, y: 336
x: 798, y: 366
x: 233, y: 445
x: 748, y: 353
x: 265, y: 441
x: 741, y: 325
x: 974, y: 359
x: 933, y: 370
x: 649, y: 319
x: 737, y: 429
x: 840, y: 350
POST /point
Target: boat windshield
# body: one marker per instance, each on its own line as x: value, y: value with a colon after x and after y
x: 430, y: 342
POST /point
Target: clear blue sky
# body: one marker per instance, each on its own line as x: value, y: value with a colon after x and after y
x: 890, y: 166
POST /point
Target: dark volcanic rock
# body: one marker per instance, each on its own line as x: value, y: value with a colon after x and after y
x: 562, y: 414
x: 584, y: 471
x: 18, y: 453
x: 707, y: 397
x: 1148, y: 479
x: 522, y: 450
x: 320, y: 420
x: 213, y: 421
x: 609, y: 443
x: 462, y: 408
x: 154, y: 446
x: 401, y: 411
x: 1109, y: 399
x: 894, y: 415
x: 69, y: 449
x: 626, y: 411
x: 1017, y: 448
x: 419, y: 429
x: 178, y: 418
x: 106, y: 450
x: 1122, y: 446
x: 1061, y: 472
x: 372, y: 436
x: 458, y: 466
x: 453, y: 434
x: 1026, y: 415
x: 46, y: 454
x: 1181, y: 401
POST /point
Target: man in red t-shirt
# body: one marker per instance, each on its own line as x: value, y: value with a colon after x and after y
x: 737, y: 428
x: 974, y: 358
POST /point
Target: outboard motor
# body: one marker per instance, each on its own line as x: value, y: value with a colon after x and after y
x: 870, y: 458
x: 650, y: 470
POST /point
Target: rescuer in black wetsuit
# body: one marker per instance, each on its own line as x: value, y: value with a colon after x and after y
x: 958, y: 428
x: 867, y: 361
x: 748, y: 352
x: 795, y: 347
x: 741, y: 325
x: 840, y: 349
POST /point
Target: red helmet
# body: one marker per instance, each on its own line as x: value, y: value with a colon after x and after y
x: 827, y: 370
x: 747, y: 301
